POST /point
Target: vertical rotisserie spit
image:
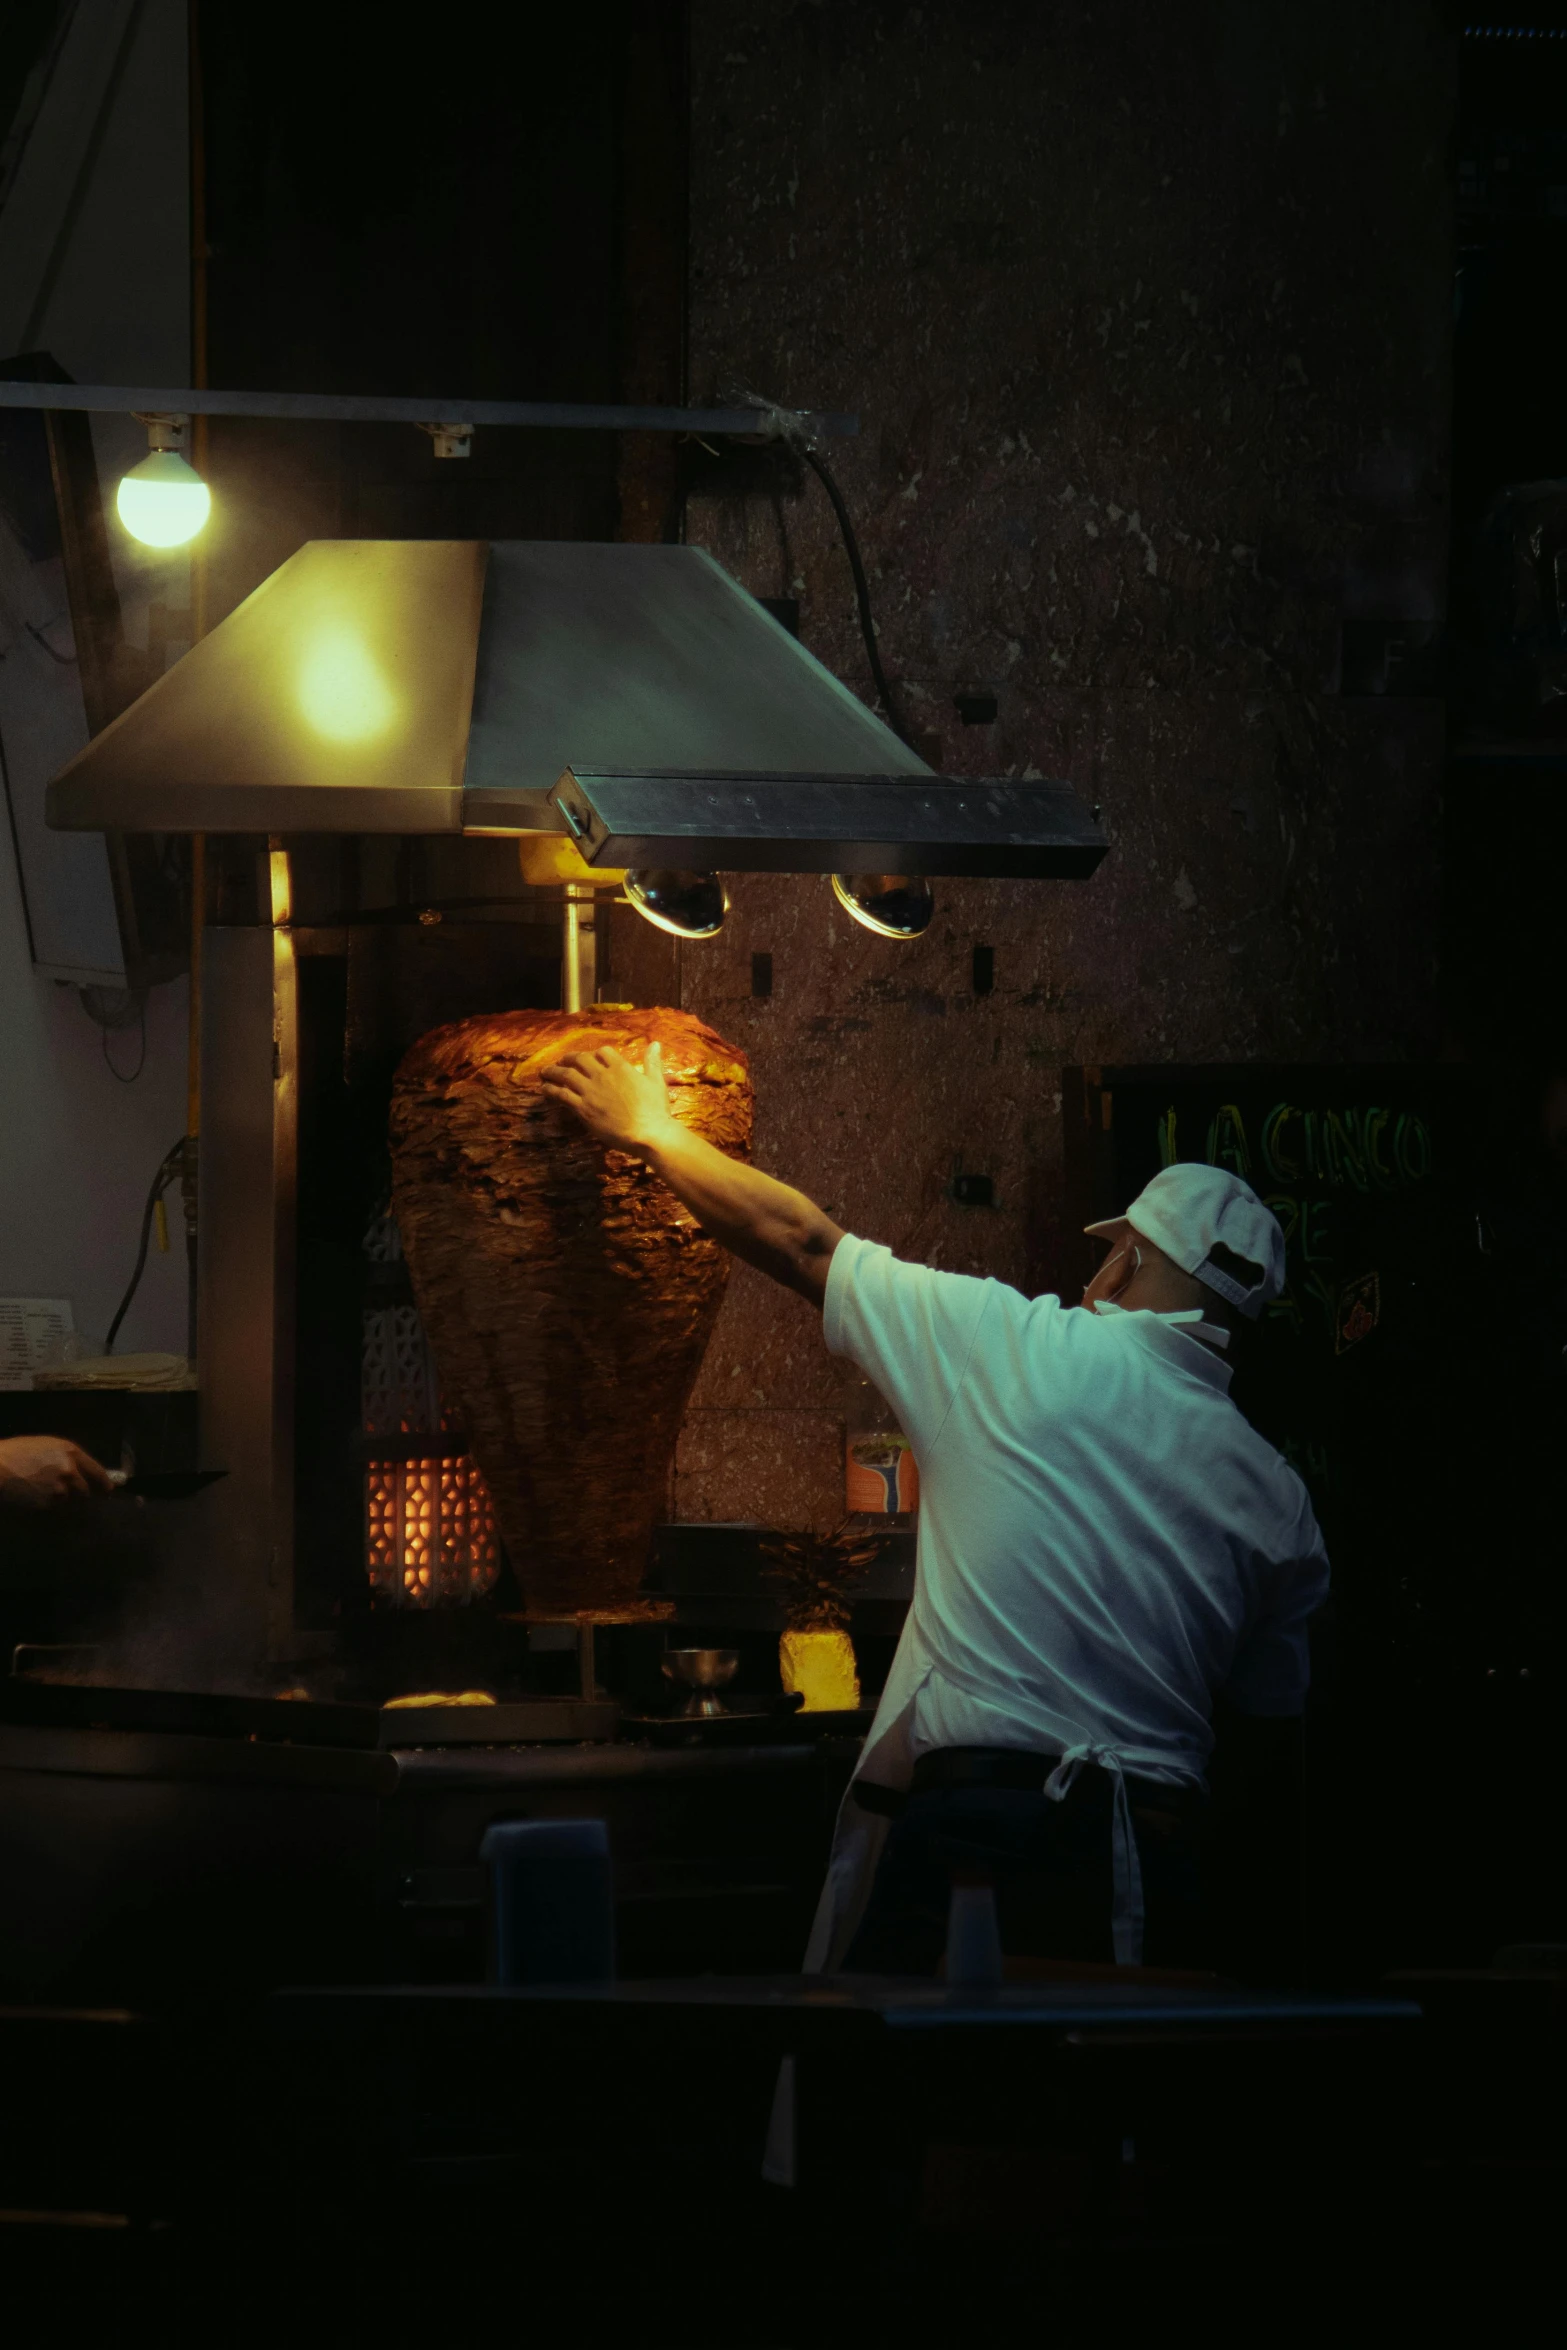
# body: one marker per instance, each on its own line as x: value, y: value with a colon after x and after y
x: 567, y: 1294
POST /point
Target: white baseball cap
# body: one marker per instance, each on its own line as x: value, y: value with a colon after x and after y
x: 1199, y: 1214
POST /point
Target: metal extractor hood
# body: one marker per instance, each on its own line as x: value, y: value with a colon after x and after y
x: 626, y: 694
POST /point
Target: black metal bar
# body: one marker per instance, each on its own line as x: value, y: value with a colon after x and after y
x: 373, y: 408
x: 831, y: 824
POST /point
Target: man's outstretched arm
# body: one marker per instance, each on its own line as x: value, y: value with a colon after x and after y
x: 773, y: 1227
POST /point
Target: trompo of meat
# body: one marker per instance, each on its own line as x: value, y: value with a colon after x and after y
x: 567, y: 1295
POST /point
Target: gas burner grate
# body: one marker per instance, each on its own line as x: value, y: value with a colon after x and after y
x: 430, y: 1535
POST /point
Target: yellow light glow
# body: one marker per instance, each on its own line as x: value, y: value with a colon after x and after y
x: 821, y: 1666
x: 161, y: 501
x: 430, y: 1531
x: 549, y: 857
x: 426, y: 1697
x: 342, y: 690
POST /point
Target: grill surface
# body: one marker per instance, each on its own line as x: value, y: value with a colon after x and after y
x: 301, y: 1722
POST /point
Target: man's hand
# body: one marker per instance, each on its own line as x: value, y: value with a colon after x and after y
x: 38, y: 1471
x: 625, y: 1106
x: 778, y: 1230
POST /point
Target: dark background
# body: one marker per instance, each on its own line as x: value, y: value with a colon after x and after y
x: 411, y: 216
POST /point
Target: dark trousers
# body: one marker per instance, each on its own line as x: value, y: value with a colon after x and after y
x: 1050, y: 1864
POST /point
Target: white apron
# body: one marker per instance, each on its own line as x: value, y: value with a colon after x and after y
x: 888, y: 1761
x: 860, y: 1836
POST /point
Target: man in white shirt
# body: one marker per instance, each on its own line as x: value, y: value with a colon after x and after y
x: 1105, y: 1547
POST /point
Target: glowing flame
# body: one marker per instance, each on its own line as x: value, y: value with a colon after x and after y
x: 430, y: 1532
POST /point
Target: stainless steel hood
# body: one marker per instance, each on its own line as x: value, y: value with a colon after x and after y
x: 439, y: 686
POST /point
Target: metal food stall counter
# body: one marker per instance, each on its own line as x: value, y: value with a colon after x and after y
x: 154, y: 1865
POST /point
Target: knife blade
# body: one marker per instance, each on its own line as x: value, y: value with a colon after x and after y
x: 165, y: 1484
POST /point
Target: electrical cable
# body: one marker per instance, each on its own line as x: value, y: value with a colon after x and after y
x: 169, y: 1172
x: 111, y: 1009
x: 794, y: 427
x: 125, y: 1076
x: 898, y: 905
x: 65, y: 660
x: 891, y: 905
x: 862, y: 593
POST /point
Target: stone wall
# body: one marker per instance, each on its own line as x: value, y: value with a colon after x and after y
x: 1145, y: 311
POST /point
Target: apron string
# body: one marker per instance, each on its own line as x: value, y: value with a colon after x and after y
x: 1126, y: 1905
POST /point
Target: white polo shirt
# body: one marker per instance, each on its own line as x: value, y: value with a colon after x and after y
x: 1105, y: 1543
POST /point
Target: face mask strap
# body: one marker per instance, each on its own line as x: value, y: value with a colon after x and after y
x: 1130, y: 1250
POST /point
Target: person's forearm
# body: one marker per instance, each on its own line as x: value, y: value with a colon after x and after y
x: 770, y: 1225
x: 778, y: 1230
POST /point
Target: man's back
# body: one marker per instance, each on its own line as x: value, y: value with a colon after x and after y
x: 1102, y: 1548
x: 1105, y: 1543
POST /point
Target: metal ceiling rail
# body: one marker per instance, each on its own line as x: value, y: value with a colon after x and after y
x: 762, y: 421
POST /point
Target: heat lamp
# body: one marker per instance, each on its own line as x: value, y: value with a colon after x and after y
x: 687, y: 905
x: 893, y: 905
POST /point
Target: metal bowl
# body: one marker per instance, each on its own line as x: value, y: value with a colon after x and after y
x: 702, y: 1671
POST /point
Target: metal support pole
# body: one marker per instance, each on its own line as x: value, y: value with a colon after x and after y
x: 570, y: 955
x: 190, y: 1185
x: 578, y: 948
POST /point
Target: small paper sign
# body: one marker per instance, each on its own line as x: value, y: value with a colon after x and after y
x: 35, y: 1334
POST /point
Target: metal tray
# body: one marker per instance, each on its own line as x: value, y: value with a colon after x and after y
x: 527, y: 1721
x: 300, y: 1721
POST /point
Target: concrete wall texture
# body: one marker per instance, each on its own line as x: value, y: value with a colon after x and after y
x: 1145, y: 311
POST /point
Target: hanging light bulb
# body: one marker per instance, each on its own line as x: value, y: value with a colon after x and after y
x: 163, y: 502
x: 894, y: 905
x: 687, y: 905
